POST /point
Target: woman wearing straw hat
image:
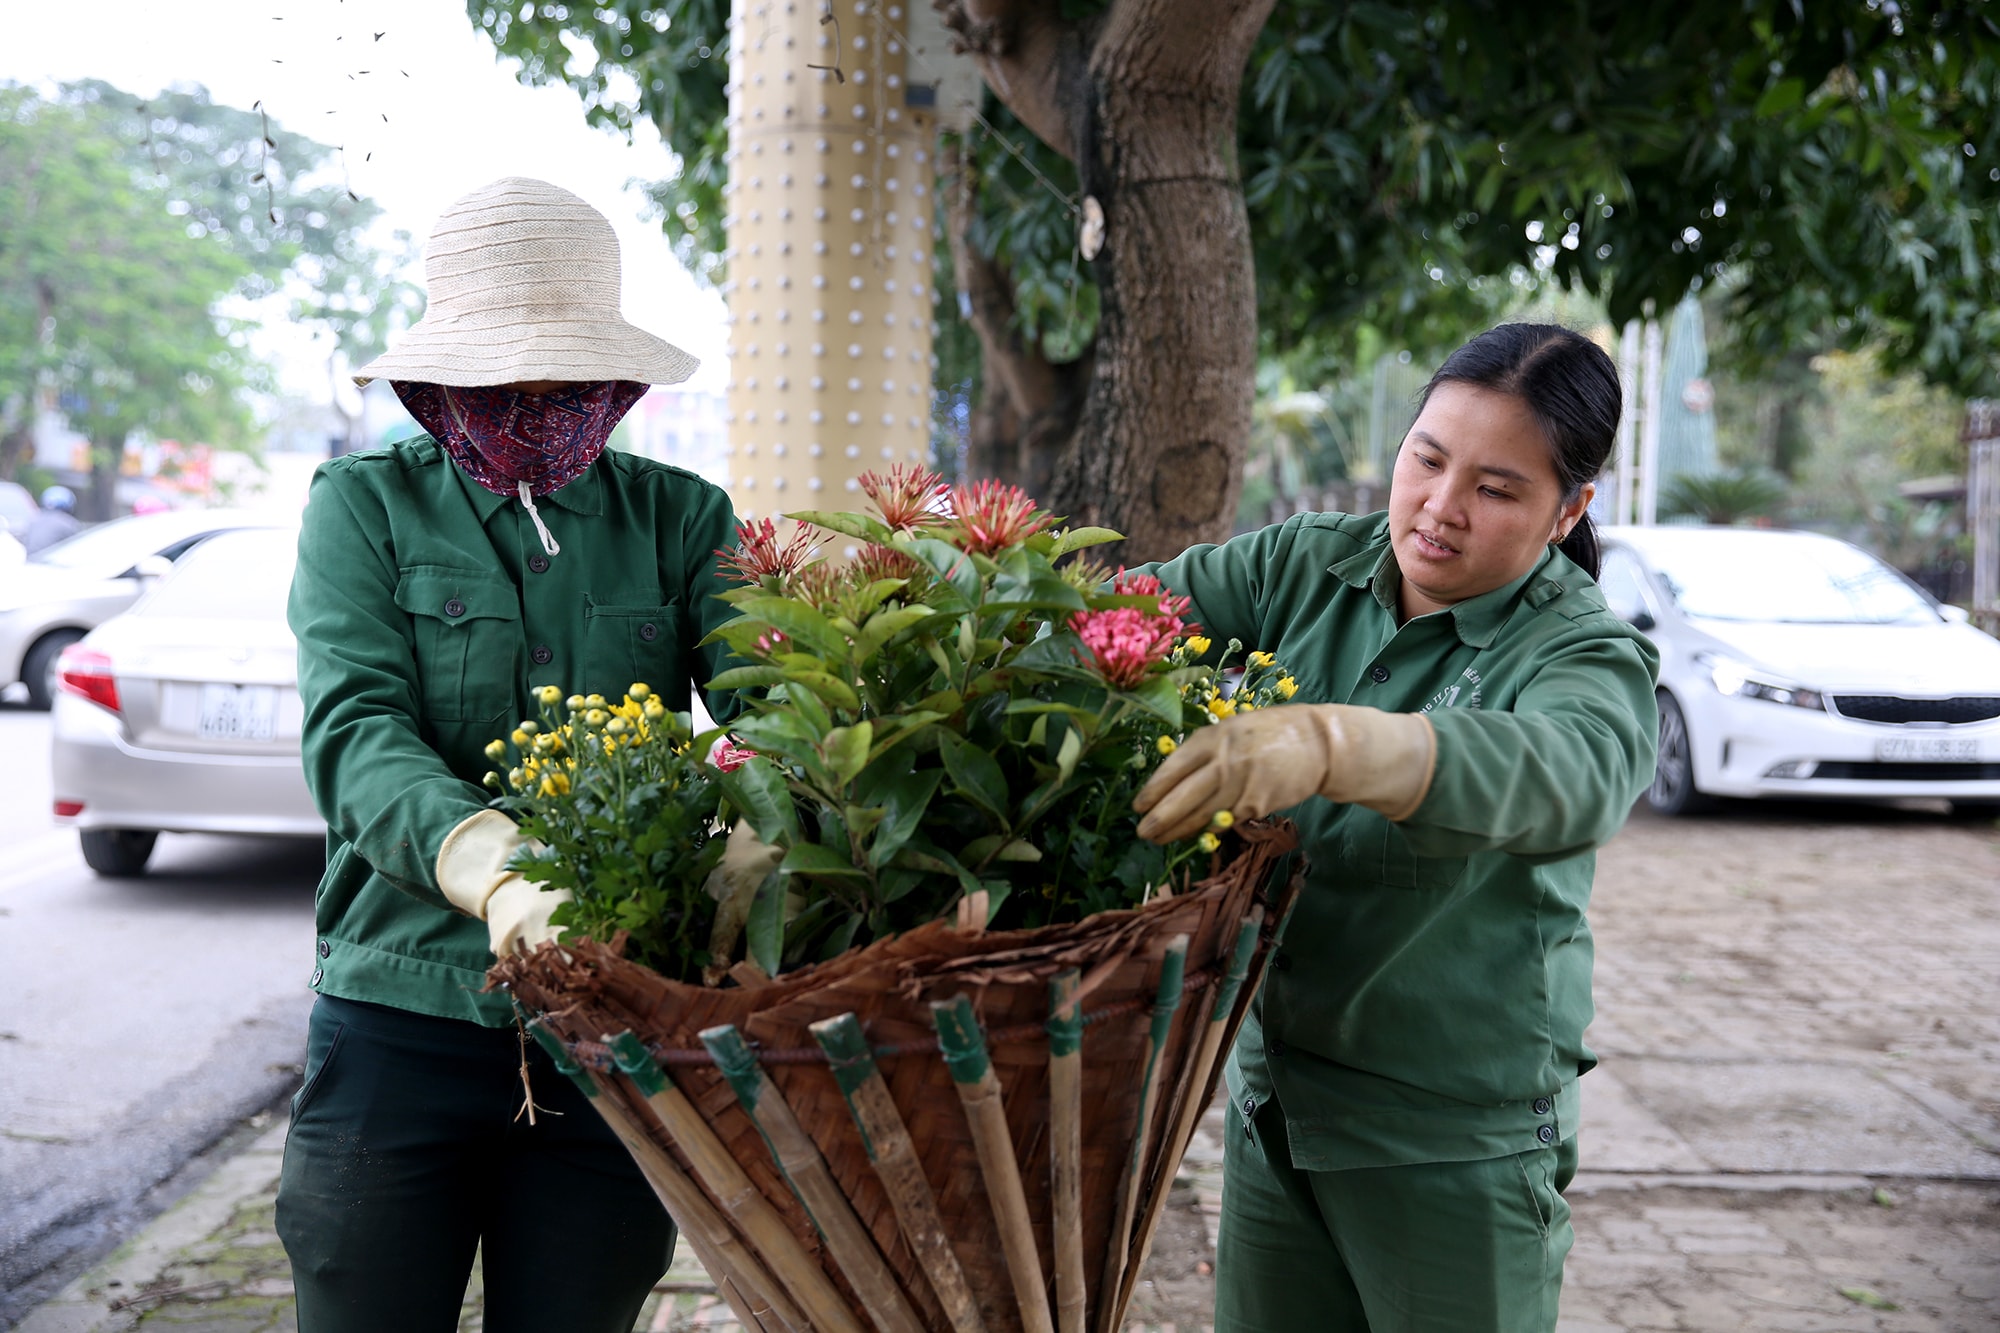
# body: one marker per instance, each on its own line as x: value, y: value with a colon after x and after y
x: 440, y: 581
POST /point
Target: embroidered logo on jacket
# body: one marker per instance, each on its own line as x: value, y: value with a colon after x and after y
x: 1455, y: 695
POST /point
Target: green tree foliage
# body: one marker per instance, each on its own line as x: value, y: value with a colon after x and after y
x: 129, y: 222
x: 1409, y: 168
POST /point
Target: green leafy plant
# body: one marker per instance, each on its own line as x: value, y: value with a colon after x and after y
x: 952, y: 713
x: 627, y: 814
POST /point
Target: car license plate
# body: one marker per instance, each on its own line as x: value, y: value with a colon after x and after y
x: 238, y: 712
x: 1927, y: 750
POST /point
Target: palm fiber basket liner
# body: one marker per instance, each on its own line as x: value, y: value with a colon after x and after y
x: 948, y: 1129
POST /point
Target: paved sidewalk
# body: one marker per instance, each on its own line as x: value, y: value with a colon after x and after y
x: 1796, y: 1127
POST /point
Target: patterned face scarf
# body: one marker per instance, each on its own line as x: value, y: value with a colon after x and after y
x: 502, y: 438
x: 521, y: 444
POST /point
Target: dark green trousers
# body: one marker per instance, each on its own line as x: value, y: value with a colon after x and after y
x: 405, y: 1156
x: 1445, y: 1247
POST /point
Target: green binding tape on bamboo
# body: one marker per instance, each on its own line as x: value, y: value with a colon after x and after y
x: 847, y: 1052
x: 1173, y: 967
x: 637, y: 1063
x: 559, y: 1053
x: 853, y: 1064
x: 960, y: 1040
x: 736, y: 1062
x: 1239, y: 965
x: 1065, y: 1016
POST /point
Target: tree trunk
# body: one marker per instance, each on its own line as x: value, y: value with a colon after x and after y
x: 1144, y: 100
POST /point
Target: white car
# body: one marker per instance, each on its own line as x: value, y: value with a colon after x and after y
x: 183, y: 714
x: 1794, y: 665
x: 53, y: 598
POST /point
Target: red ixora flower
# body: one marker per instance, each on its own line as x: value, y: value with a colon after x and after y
x: 993, y: 515
x: 759, y: 556
x: 910, y: 497
x: 1125, y: 642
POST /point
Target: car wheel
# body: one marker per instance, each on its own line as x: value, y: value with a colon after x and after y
x: 120, y: 853
x: 1981, y: 812
x: 38, y: 668
x: 1673, y: 791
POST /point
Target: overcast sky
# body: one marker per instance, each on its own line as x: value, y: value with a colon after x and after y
x: 460, y: 119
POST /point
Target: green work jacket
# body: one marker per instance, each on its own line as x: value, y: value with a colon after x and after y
x: 1430, y: 995
x: 426, y: 611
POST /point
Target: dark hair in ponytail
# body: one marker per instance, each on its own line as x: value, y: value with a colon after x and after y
x: 1570, y: 387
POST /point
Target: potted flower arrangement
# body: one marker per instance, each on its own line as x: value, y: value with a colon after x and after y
x: 942, y: 734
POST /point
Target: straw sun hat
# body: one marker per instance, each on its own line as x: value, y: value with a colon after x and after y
x: 524, y: 285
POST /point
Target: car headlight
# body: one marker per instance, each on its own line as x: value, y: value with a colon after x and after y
x: 1741, y: 681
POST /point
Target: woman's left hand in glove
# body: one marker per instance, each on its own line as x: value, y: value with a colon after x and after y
x: 1251, y: 764
x: 473, y: 874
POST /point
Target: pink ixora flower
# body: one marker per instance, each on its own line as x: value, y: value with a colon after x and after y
x: 992, y: 515
x: 1126, y: 642
x: 729, y: 756
x: 759, y: 555
x: 910, y: 497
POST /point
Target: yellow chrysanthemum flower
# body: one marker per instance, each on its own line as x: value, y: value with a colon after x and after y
x: 574, y: 703
x: 1262, y: 659
x: 617, y: 726
x: 520, y: 737
x: 515, y: 777
x: 549, y: 695
x: 496, y: 750
x: 1198, y: 645
x: 596, y: 716
x: 639, y: 690
x: 1223, y: 819
x: 655, y: 710
x: 1286, y: 687
x: 1208, y: 842
x: 1167, y: 745
x: 594, y: 701
x: 1219, y: 708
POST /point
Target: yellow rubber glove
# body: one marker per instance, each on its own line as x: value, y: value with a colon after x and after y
x: 1253, y: 763
x: 473, y: 875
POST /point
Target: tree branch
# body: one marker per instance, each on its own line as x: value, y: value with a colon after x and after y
x: 1031, y: 57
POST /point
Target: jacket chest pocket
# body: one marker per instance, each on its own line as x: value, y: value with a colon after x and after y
x: 624, y: 644
x: 467, y: 625
x: 1377, y: 849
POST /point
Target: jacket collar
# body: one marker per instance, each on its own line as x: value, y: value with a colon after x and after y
x: 1477, y: 620
x: 585, y: 495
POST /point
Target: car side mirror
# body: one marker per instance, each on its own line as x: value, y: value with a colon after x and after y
x: 1956, y: 615
x: 151, y: 567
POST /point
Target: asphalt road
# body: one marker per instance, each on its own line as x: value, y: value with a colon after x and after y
x: 140, y: 1020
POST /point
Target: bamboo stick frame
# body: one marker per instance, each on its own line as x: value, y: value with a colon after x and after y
x: 964, y: 1050
x: 1189, y: 1102
x: 739, y: 1277
x: 1066, y: 1149
x: 894, y: 1157
x: 806, y: 1171
x: 1167, y: 1000
x: 819, y: 1301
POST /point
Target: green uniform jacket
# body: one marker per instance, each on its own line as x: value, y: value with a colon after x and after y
x: 1430, y: 998
x: 426, y: 611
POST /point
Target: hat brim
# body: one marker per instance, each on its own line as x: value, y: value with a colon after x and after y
x: 573, y: 351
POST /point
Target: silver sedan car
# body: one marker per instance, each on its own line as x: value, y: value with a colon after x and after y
x: 183, y: 714
x: 53, y: 598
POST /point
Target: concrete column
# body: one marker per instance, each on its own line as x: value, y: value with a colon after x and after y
x: 830, y: 233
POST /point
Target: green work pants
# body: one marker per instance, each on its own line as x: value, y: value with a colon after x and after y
x: 1443, y: 1247
x: 405, y: 1156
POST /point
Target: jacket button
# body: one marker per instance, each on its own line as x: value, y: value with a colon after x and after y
x: 542, y: 654
x: 1378, y: 674
x: 1283, y: 962
x: 454, y: 608
x: 1276, y: 1050
x: 317, y: 974
x: 1547, y: 1133
x: 539, y: 563
x: 1249, y: 1105
x: 1542, y: 1105
x: 324, y: 948
x: 649, y: 631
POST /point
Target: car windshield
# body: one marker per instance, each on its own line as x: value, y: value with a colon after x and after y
x: 1796, y: 580
x: 109, y: 549
x: 231, y: 576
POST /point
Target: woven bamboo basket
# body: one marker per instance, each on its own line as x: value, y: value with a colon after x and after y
x: 950, y: 1129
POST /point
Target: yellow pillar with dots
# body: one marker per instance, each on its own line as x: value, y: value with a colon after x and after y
x: 830, y: 228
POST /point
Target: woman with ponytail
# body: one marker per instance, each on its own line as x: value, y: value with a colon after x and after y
x: 1471, y: 723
